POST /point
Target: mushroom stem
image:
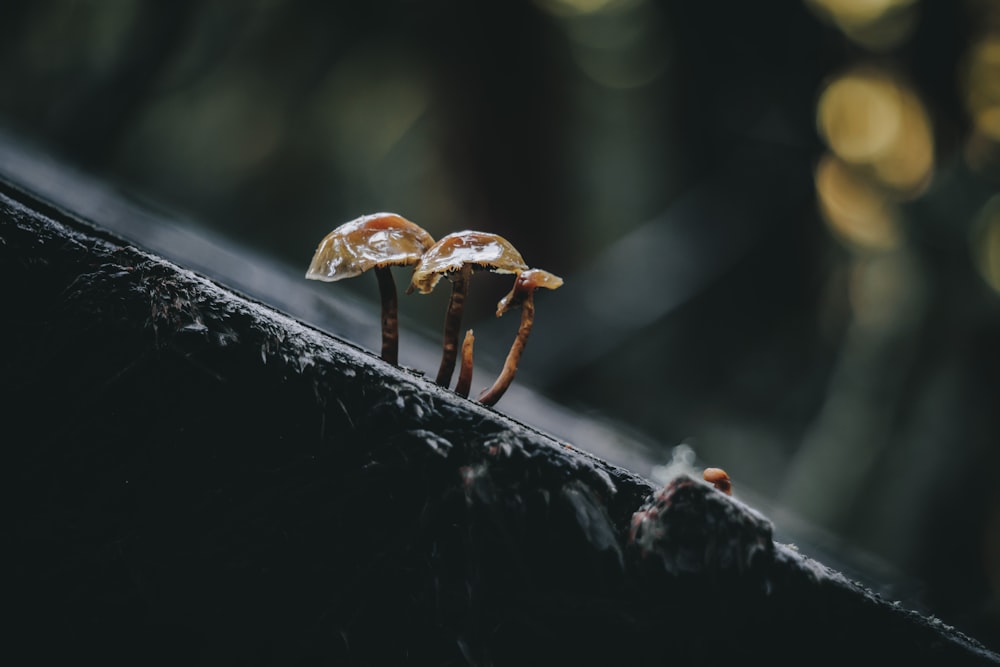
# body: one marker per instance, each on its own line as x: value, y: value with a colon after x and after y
x: 453, y: 323
x: 390, y: 314
x: 465, y: 369
x: 493, y: 394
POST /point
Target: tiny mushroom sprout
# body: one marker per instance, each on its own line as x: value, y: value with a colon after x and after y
x: 456, y: 256
x: 718, y: 478
x: 523, y: 295
x: 378, y: 241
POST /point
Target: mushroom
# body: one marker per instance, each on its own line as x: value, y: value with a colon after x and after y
x: 377, y: 241
x: 456, y: 256
x: 522, y: 294
x: 718, y: 478
x: 465, y: 368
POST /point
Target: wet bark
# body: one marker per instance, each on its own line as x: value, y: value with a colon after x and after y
x: 197, y: 477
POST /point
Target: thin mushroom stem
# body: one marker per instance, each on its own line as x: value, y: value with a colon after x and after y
x: 493, y: 394
x: 465, y: 369
x: 390, y: 314
x: 453, y: 323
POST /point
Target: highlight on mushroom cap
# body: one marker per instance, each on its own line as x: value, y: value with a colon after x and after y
x: 375, y: 240
x: 452, y: 252
x: 526, y: 283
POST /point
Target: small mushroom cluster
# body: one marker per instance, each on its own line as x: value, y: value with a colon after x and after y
x: 382, y: 240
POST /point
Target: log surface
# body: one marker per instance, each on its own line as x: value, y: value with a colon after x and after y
x: 199, y: 478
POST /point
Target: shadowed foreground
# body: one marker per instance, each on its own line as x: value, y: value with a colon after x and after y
x: 200, y: 479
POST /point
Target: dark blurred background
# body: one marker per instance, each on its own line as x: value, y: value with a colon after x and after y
x: 778, y: 222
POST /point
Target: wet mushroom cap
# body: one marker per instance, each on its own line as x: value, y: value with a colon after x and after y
x: 452, y: 252
x: 376, y: 240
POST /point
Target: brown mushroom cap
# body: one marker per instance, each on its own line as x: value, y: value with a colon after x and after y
x: 452, y: 252
x: 526, y: 283
x: 376, y: 240
x: 718, y: 478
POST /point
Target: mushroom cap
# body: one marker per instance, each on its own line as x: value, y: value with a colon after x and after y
x: 378, y: 239
x: 452, y: 252
x: 527, y: 282
x: 718, y: 478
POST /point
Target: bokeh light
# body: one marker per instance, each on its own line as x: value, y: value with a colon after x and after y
x: 982, y: 85
x: 855, y: 211
x: 859, y: 116
x: 878, y: 25
x: 621, y: 45
x: 583, y: 7
x: 877, y: 123
x: 981, y: 89
x: 985, y: 243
